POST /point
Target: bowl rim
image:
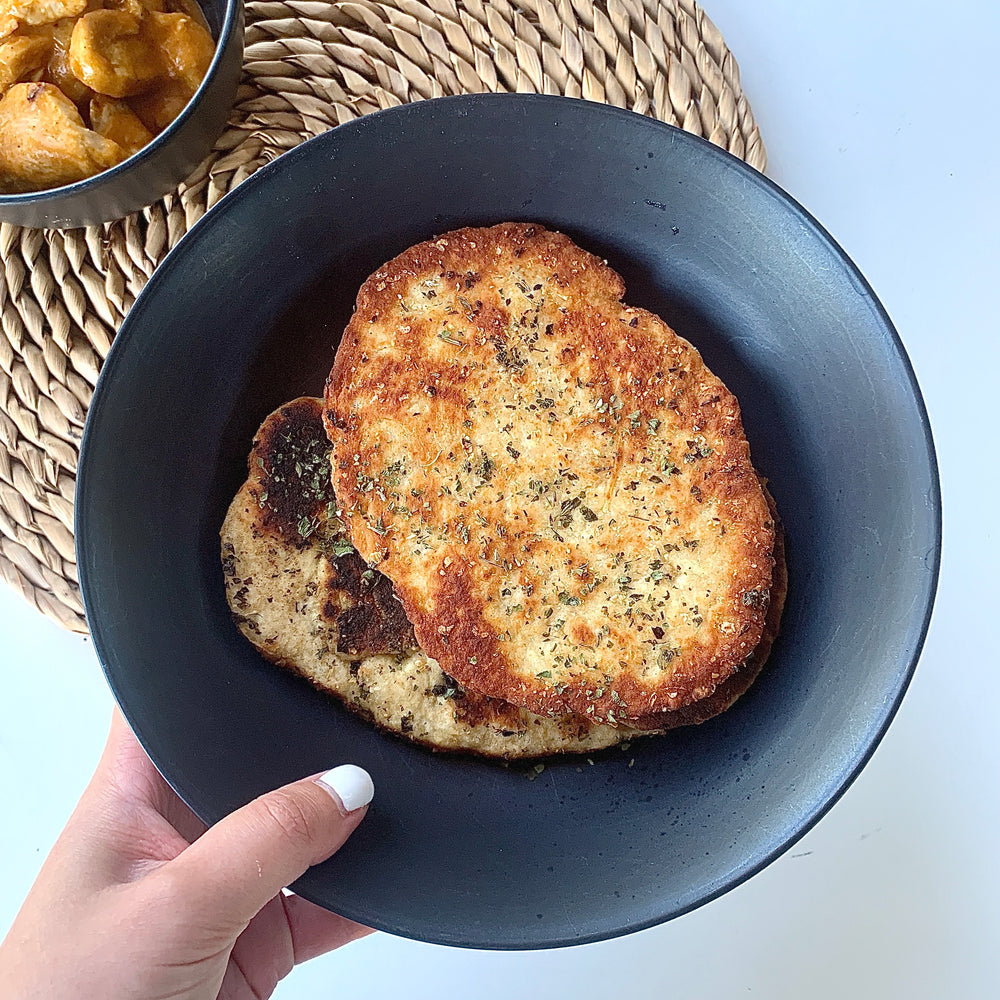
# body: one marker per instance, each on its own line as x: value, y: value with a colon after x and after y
x: 230, y: 21
x: 885, y: 712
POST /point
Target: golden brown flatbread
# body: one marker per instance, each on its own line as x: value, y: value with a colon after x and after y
x: 557, y: 486
x: 301, y: 594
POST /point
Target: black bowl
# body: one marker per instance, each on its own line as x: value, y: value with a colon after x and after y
x: 158, y: 167
x: 246, y: 313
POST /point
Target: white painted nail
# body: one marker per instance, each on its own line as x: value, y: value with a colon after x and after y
x: 351, y: 785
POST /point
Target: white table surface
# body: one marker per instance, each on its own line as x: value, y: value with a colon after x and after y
x: 881, y: 119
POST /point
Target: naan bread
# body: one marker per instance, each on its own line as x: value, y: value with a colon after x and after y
x: 302, y: 595
x: 557, y: 486
x: 304, y: 598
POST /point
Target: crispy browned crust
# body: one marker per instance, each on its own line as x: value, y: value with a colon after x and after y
x: 292, y: 498
x: 727, y: 693
x: 486, y: 380
x: 315, y: 611
x: 305, y: 599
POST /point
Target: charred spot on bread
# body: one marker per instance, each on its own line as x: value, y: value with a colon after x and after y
x: 309, y: 603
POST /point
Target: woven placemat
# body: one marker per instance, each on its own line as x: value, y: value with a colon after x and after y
x: 308, y: 66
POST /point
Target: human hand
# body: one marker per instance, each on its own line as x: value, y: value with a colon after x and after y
x: 138, y: 900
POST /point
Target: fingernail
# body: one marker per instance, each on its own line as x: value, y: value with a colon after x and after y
x: 351, y: 785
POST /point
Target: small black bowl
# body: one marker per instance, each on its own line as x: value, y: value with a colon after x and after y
x: 246, y: 313
x: 161, y: 165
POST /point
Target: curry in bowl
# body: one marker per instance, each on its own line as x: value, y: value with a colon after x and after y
x: 85, y: 84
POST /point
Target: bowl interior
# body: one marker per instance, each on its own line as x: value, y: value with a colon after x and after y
x: 247, y: 313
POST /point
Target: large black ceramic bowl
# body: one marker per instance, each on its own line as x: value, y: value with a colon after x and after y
x: 246, y: 313
x: 160, y: 166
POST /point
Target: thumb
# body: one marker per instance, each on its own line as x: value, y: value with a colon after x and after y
x: 229, y: 873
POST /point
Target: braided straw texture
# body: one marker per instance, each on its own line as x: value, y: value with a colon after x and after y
x: 308, y: 67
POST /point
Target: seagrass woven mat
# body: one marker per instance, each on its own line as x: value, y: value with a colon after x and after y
x: 308, y: 66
